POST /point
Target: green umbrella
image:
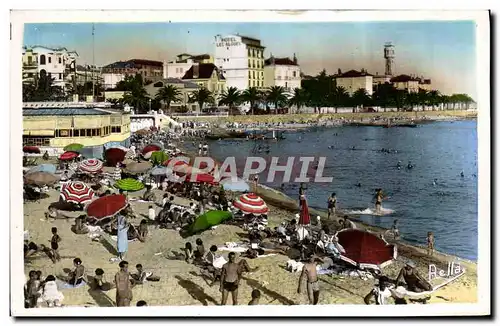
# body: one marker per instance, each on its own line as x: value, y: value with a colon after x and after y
x: 129, y: 184
x: 207, y: 220
x: 73, y: 147
x: 158, y: 157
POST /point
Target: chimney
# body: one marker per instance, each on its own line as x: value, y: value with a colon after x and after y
x: 294, y: 59
x: 196, y: 71
x: 164, y: 69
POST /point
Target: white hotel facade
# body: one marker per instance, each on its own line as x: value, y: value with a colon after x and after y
x: 284, y: 72
x: 241, y: 61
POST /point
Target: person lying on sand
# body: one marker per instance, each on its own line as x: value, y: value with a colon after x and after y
x: 141, y: 276
x: 30, y: 248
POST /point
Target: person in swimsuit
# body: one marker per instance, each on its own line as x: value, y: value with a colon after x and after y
x: 255, y: 298
x: 430, y: 243
x: 379, y: 196
x: 54, y: 245
x: 76, y: 277
x: 380, y: 292
x: 332, y: 204
x: 309, y: 273
x: 230, y: 277
x: 412, y: 278
x: 123, y: 286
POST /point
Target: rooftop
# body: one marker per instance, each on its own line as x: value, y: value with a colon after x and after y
x: 353, y: 74
x: 404, y: 79
x: 205, y: 71
x: 280, y: 62
x: 63, y: 112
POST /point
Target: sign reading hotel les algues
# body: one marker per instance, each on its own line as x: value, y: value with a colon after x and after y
x: 228, y: 41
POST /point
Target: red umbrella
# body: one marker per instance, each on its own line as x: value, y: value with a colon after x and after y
x: 31, y: 150
x: 150, y: 148
x: 201, y: 178
x: 114, y: 156
x: 76, y: 192
x: 364, y: 249
x: 176, y: 162
x: 305, y: 218
x: 107, y: 206
x: 66, y: 156
x: 251, y: 204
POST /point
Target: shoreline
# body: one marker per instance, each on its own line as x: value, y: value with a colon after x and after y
x: 278, y: 199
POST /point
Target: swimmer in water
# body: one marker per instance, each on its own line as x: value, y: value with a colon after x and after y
x: 379, y: 197
x: 410, y: 166
x: 434, y: 183
x: 358, y: 185
x: 462, y: 174
x: 399, y: 165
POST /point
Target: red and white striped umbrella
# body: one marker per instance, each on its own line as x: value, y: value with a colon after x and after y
x: 251, y: 204
x: 91, y: 165
x: 77, y: 192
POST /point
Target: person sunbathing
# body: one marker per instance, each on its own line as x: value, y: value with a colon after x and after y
x: 412, y: 278
x: 98, y: 282
x: 142, y: 276
x: 80, y: 227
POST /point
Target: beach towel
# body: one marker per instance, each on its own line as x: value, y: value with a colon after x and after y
x: 65, y: 285
x: 219, y: 262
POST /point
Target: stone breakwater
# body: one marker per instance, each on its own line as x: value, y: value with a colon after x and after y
x: 325, y: 118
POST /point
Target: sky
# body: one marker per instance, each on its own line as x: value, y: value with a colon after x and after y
x: 444, y: 51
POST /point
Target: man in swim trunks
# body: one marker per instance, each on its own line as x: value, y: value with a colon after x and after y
x: 123, y: 286
x: 332, y: 204
x: 379, y: 196
x: 309, y: 272
x: 230, y: 279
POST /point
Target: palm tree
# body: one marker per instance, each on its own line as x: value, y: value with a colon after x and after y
x: 168, y: 94
x: 382, y: 95
x: 231, y: 97
x: 338, y: 97
x: 298, y: 98
x: 252, y: 95
x: 201, y: 97
x: 361, y: 97
x: 276, y: 95
x: 137, y: 98
x: 434, y: 98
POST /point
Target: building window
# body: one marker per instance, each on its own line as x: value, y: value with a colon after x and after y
x: 249, y: 63
x: 249, y: 53
x: 294, y: 74
x: 76, y: 133
x: 88, y: 132
x: 50, y: 60
x: 116, y: 129
x: 30, y: 60
x: 63, y: 133
x: 42, y: 59
x: 60, y: 76
x: 36, y: 141
x: 60, y: 60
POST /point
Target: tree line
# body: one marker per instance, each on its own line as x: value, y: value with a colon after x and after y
x: 316, y: 92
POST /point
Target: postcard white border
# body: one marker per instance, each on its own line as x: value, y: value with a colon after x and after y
x: 484, y: 196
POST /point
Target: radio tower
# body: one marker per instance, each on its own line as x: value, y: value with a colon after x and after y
x: 389, y: 58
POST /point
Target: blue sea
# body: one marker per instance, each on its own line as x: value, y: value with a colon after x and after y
x: 432, y: 196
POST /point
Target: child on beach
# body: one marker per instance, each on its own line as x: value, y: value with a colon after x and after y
x: 430, y: 243
x: 54, y: 245
x: 151, y: 213
x: 395, y: 230
x: 188, y: 251
x: 255, y: 298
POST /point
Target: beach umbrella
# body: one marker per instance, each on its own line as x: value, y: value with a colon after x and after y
x: 129, y: 184
x: 40, y: 179
x: 159, y: 144
x: 73, y: 147
x: 76, y: 192
x: 178, y: 161
x: 207, y: 220
x: 50, y: 168
x: 158, y: 157
x: 114, y: 156
x: 138, y: 167
x: 150, y: 148
x: 201, y: 178
x: 305, y: 218
x: 236, y: 185
x: 251, y: 204
x: 364, y: 249
x: 66, y: 156
x: 160, y: 170
x: 107, y: 206
x: 31, y: 150
x: 91, y: 165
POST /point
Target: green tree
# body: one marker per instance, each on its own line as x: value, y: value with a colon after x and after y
x: 338, y: 97
x: 433, y: 98
x: 361, y: 97
x: 278, y: 96
x: 167, y: 95
x: 252, y: 95
x: 231, y: 97
x: 382, y: 95
x: 298, y: 98
x: 201, y: 96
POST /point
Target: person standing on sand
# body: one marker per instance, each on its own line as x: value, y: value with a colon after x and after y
x: 54, y: 245
x: 230, y: 277
x: 430, y: 243
x: 310, y: 273
x: 122, y: 236
x: 332, y: 204
x: 123, y: 286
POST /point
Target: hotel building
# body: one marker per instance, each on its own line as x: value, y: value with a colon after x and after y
x: 241, y: 61
x: 354, y: 80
